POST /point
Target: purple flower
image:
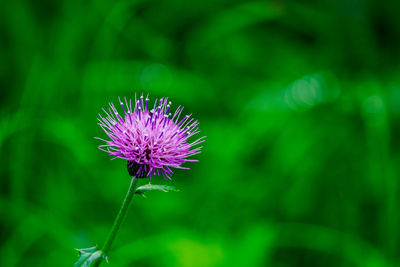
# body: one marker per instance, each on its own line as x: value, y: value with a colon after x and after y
x: 152, y: 140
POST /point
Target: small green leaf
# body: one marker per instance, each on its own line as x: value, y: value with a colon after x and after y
x: 87, y: 256
x: 150, y: 187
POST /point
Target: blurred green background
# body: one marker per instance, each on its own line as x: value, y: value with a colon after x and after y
x: 299, y: 100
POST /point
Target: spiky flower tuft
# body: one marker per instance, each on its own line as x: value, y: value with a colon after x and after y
x: 152, y: 140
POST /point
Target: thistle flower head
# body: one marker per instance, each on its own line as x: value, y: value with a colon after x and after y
x: 150, y: 138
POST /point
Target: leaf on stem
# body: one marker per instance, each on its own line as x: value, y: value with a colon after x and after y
x: 87, y: 256
x: 141, y: 190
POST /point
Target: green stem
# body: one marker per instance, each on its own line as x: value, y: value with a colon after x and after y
x: 118, y: 220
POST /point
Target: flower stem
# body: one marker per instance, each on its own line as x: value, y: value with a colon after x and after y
x: 118, y: 220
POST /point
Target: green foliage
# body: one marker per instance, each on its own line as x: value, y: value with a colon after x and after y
x: 87, y: 256
x: 299, y: 100
x: 141, y: 190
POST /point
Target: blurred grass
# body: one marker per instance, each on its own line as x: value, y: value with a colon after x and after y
x: 299, y: 102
